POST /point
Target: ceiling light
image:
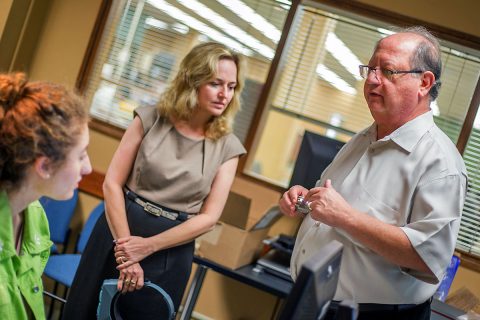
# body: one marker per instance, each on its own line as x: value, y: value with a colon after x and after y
x: 332, y: 78
x: 385, y: 32
x: 180, y: 28
x: 343, y: 54
x: 287, y: 2
x: 152, y: 22
x: 234, y: 31
x: 199, y: 26
x: 257, y: 21
x: 476, y: 122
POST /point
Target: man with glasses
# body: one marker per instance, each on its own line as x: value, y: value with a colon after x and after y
x: 395, y: 192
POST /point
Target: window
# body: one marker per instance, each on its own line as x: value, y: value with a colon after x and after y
x: 145, y: 40
x: 315, y: 86
x: 469, y: 235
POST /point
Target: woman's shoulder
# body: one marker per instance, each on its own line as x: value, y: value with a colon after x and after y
x: 228, y: 138
x: 231, y: 145
x: 149, y: 116
x: 145, y: 111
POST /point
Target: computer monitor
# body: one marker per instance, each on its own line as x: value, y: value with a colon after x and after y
x: 316, y: 153
x: 315, y: 286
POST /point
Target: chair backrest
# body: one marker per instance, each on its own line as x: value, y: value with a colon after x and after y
x: 59, y: 214
x: 108, y: 306
x: 88, y: 228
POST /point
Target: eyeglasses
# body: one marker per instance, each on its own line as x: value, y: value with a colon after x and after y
x: 387, y: 73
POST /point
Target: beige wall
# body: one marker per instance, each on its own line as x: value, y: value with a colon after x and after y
x: 5, y: 6
x: 64, y: 40
x: 461, y: 15
x: 59, y: 55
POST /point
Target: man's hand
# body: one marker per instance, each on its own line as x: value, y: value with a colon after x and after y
x: 328, y: 206
x: 289, y: 199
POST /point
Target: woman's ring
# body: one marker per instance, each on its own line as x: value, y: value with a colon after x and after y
x: 133, y: 283
x: 126, y: 281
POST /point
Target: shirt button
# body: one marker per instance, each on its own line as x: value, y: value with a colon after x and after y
x: 303, y: 251
x: 35, y: 289
x: 317, y: 223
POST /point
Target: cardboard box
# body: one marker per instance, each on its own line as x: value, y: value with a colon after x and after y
x: 232, y: 243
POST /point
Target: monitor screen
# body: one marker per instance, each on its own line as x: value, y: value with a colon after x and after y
x: 315, y: 286
x: 316, y: 153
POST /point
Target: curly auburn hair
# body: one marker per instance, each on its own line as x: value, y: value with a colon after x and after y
x: 36, y: 119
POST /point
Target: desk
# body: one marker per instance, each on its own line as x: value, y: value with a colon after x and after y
x: 272, y: 284
x: 443, y: 311
x: 257, y: 279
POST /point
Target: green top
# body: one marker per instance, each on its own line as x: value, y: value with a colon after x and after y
x: 21, y: 275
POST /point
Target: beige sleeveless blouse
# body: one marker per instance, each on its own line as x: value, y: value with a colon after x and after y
x: 173, y: 170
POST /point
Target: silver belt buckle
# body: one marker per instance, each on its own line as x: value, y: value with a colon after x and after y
x: 169, y: 215
x: 156, y: 211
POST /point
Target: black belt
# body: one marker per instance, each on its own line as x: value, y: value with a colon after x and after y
x: 156, y: 209
x: 370, y: 307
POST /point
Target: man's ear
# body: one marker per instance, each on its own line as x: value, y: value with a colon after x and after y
x: 428, y: 81
x: 42, y: 167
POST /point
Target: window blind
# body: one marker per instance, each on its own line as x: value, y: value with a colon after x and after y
x: 321, y: 81
x: 469, y: 235
x: 145, y: 40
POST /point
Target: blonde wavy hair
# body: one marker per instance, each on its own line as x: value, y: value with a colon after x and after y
x: 198, y: 67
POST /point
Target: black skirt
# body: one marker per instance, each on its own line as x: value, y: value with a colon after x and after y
x: 169, y: 268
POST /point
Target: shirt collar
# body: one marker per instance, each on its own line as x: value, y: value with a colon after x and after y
x: 408, y: 135
x: 371, y: 133
x: 7, y: 248
x: 35, y: 234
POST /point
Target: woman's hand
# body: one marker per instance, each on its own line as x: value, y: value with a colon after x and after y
x: 130, y: 250
x: 131, y: 278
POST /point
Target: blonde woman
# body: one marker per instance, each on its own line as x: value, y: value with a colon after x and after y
x: 43, y: 152
x: 180, y: 157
